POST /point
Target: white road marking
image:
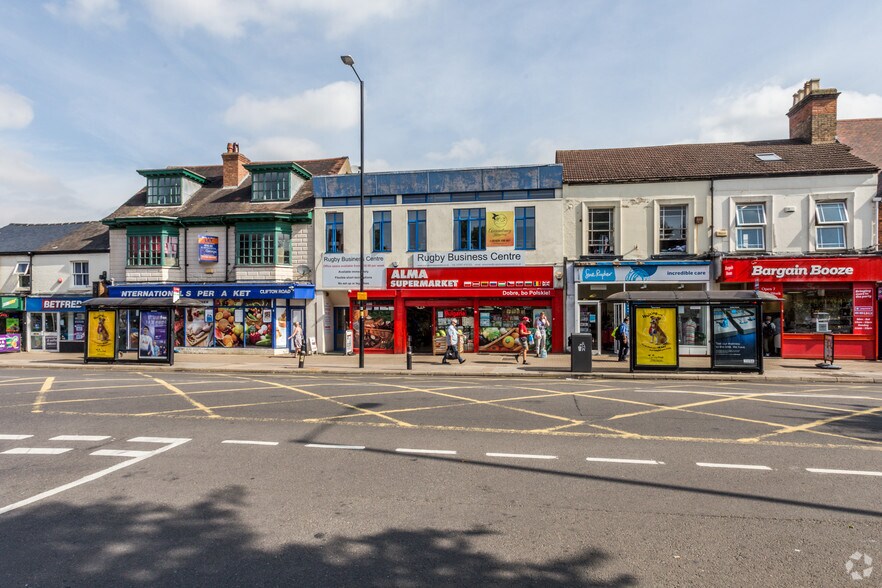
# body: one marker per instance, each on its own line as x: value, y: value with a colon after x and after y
x: 521, y: 455
x: 323, y: 446
x: 157, y: 440
x: 244, y: 442
x: 847, y: 472
x: 14, y: 437
x: 427, y: 451
x: 89, y: 478
x: 769, y: 394
x: 120, y: 453
x: 80, y: 438
x: 618, y: 460
x: 37, y: 450
x: 734, y: 466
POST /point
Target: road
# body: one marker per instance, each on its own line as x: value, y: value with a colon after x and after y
x: 183, y: 479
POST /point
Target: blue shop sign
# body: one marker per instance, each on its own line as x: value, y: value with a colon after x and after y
x: 205, y: 291
x: 598, y: 274
x: 55, y: 304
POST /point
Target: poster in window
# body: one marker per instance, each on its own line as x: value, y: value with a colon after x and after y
x: 378, y: 327
x: 656, y: 337
x: 153, y: 339
x: 281, y: 327
x: 734, y: 336
x: 79, y: 326
x: 258, y: 327
x: 208, y: 247
x: 228, y: 332
x: 102, y: 328
x: 198, y: 327
x: 10, y: 343
x: 500, y: 228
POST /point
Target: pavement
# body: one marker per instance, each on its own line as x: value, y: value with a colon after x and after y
x: 777, y: 370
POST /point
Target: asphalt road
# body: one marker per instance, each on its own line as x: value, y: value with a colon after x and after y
x: 175, y: 479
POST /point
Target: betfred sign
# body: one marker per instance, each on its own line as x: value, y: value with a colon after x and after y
x: 471, y: 278
x: 804, y: 269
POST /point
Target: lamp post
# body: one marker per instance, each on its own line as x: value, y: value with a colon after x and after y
x: 347, y: 60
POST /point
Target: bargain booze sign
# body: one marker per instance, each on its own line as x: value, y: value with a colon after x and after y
x: 471, y: 277
x: 803, y: 269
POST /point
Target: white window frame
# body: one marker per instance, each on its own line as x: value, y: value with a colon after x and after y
x: 23, y: 273
x: 823, y: 224
x: 80, y: 279
x: 660, y: 229
x: 741, y: 226
x: 609, y: 245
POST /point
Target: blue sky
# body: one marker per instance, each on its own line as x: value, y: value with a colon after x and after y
x: 91, y: 90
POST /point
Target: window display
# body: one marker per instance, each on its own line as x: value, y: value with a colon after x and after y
x: 465, y: 317
x: 818, y: 310
x: 693, y: 325
x: 259, y: 324
x: 499, y: 327
x: 229, y: 323
x: 378, y: 325
x: 198, y: 328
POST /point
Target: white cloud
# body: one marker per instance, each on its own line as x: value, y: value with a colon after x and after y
x: 283, y: 149
x: 541, y: 151
x: 89, y: 12
x: 464, y: 150
x: 332, y: 107
x: 231, y: 18
x: 15, y: 109
x: 857, y: 105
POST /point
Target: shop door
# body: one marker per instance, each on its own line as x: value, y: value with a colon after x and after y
x: 44, y: 331
x: 590, y: 321
x: 341, y: 324
x: 420, y: 328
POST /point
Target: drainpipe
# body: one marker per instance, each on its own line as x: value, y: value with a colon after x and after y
x: 186, y: 263
x: 227, y: 254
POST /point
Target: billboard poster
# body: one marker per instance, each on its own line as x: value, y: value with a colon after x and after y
x: 102, y: 334
x: 734, y: 336
x: 208, y: 246
x: 500, y: 228
x: 656, y: 337
x: 153, y: 341
x: 198, y: 328
x: 10, y: 343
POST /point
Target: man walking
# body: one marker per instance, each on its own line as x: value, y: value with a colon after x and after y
x: 769, y: 332
x: 452, y: 344
x: 623, y: 334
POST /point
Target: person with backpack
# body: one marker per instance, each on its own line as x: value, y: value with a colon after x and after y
x: 622, y: 335
x: 769, y: 332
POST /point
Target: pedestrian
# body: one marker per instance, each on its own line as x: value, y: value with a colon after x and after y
x: 623, y: 334
x: 769, y: 332
x: 452, y: 344
x: 542, y: 324
x: 524, y: 338
x: 297, y: 337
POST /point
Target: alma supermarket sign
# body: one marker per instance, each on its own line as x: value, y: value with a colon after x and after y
x: 805, y: 269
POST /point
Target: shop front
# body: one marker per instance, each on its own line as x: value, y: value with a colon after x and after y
x: 821, y: 295
x: 231, y: 316
x: 11, y: 319
x: 594, y: 282
x: 487, y: 303
x: 56, y: 323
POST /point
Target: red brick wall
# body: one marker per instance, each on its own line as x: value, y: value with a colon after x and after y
x: 814, y: 121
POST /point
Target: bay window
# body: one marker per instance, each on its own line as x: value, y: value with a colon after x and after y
x: 152, y: 247
x: 263, y: 244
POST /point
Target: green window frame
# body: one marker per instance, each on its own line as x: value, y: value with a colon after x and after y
x: 271, y: 186
x: 164, y: 191
x: 263, y: 244
x: 152, y: 247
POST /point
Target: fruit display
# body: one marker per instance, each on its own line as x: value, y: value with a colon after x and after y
x: 198, y: 329
x: 227, y: 332
x: 257, y: 332
x: 500, y: 340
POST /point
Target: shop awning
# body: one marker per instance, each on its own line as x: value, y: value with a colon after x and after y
x: 142, y: 302
x: 693, y: 296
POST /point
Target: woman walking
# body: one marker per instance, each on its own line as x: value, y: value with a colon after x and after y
x: 297, y: 337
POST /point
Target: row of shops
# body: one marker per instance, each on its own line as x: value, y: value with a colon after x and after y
x: 838, y: 295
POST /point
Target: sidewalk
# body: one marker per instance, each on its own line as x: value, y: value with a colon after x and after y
x: 554, y: 366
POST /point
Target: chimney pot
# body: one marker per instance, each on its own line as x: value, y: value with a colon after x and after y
x: 229, y: 147
x: 815, y: 83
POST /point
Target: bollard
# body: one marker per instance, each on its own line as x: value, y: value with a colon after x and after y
x: 301, y: 360
x: 409, y: 354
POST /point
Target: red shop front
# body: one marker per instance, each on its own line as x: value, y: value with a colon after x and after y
x: 487, y: 302
x: 820, y: 295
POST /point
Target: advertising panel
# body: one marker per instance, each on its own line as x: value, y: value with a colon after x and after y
x: 198, y: 328
x: 341, y: 270
x: 208, y: 247
x: 644, y: 272
x: 10, y: 343
x: 656, y: 337
x: 500, y: 228
x: 735, y: 336
x: 864, y: 308
x: 102, y: 334
x: 153, y: 339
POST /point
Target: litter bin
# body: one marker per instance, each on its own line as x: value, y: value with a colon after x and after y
x: 580, y: 352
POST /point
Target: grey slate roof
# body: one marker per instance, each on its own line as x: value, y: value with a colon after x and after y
x: 85, y: 237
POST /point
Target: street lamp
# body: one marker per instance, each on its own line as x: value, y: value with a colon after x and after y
x: 347, y: 60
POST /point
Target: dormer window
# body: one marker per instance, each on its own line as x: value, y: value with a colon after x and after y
x: 276, y: 181
x: 171, y: 186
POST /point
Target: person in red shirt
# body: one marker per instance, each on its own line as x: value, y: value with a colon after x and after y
x: 524, y: 337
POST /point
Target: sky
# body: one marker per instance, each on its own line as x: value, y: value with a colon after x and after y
x: 93, y: 90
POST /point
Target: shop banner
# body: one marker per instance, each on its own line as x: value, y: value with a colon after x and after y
x: 488, y: 277
x: 341, y: 270
x: 734, y: 336
x: 208, y: 248
x: 644, y: 272
x: 656, y: 337
x: 10, y: 343
x: 10, y: 303
x: 805, y: 269
x: 153, y: 341
x: 500, y: 228
x: 253, y: 291
x: 461, y: 259
x: 864, y: 308
x: 102, y: 334
x: 55, y: 304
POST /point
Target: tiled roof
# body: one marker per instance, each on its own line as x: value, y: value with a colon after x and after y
x: 864, y: 136
x: 86, y: 237
x: 707, y: 161
x: 212, y: 199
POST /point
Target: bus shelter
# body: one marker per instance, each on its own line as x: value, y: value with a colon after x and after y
x: 156, y: 328
x: 735, y: 331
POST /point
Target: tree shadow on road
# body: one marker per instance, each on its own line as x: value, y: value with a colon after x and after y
x: 119, y: 543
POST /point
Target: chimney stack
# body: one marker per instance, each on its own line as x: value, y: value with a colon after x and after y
x: 813, y: 115
x: 234, y: 166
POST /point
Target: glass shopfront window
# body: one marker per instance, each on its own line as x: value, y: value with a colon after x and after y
x: 818, y: 309
x: 693, y: 325
x: 378, y: 325
x: 498, y: 326
x: 465, y: 318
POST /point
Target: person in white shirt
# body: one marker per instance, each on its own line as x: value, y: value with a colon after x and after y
x: 452, y: 344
